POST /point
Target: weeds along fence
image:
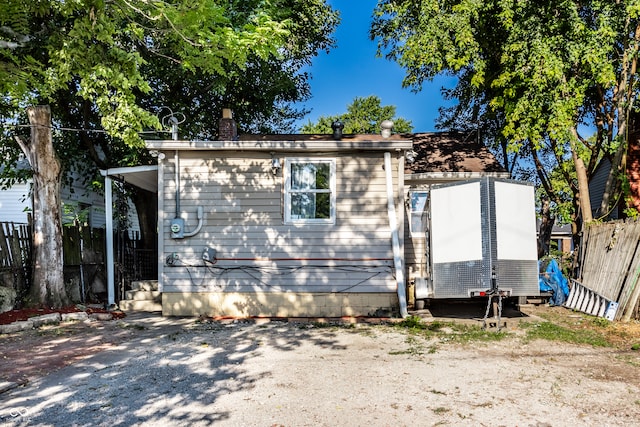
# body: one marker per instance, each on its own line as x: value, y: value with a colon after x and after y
x: 610, y: 264
x: 84, y: 261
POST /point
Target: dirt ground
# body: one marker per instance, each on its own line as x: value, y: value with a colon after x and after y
x: 154, y: 371
x: 31, y: 354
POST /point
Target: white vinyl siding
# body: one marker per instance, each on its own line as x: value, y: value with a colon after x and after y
x: 15, y: 203
x: 257, y: 251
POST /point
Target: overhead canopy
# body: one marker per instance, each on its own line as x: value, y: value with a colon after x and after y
x: 145, y: 177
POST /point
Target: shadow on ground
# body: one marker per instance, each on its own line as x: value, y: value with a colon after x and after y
x: 469, y: 310
x: 168, y: 375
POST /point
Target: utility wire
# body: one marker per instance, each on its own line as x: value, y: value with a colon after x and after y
x: 218, y: 271
x: 78, y: 130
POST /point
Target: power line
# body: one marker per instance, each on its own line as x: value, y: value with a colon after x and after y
x: 78, y: 130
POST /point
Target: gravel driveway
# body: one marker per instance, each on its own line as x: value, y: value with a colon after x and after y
x: 176, y: 372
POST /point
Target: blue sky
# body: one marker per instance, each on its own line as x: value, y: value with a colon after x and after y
x: 352, y: 70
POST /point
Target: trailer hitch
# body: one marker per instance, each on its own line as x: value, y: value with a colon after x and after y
x: 497, y: 308
x: 494, y: 293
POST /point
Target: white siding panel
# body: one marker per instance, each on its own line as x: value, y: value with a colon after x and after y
x: 13, y: 203
x: 243, y: 222
x: 292, y: 278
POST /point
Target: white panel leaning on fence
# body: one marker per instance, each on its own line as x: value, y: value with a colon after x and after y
x: 610, y: 269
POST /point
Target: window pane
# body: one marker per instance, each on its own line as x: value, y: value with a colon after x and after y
x: 310, y: 205
x: 418, y: 222
x: 418, y: 201
x: 323, y: 205
x: 307, y: 176
x: 303, y: 176
x: 323, y: 175
x: 303, y: 205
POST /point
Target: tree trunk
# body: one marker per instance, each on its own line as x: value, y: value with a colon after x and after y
x: 583, y: 186
x: 48, y: 265
x: 633, y: 171
x: 546, y: 227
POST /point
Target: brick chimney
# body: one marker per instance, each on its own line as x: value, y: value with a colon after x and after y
x: 227, y: 129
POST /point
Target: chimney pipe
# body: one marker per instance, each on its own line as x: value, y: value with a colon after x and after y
x: 227, y: 129
x: 337, y: 127
x: 386, y: 126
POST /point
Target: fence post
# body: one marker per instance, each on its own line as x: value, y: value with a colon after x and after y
x: 18, y: 263
x: 632, y: 303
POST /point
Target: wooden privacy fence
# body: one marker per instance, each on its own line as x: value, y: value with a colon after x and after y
x: 15, y: 257
x: 84, y: 261
x: 84, y: 271
x: 610, y: 265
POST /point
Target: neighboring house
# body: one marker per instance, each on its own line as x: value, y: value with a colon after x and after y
x: 562, y: 236
x: 15, y: 205
x: 297, y: 225
x: 78, y: 204
x: 597, y: 183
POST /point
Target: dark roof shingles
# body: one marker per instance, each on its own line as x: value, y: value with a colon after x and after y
x: 450, y: 152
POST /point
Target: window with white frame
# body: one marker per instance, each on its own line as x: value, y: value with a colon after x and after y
x: 310, y: 190
x: 418, y: 222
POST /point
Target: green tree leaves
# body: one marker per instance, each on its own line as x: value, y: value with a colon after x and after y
x: 364, y: 115
x: 99, y: 50
x: 544, y: 69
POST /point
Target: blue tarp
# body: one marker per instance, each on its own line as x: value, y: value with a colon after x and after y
x: 552, y: 280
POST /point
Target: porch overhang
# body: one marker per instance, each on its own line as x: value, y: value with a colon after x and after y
x: 144, y: 177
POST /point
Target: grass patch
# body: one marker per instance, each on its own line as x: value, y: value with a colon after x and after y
x: 621, y: 335
x: 554, y: 332
x: 416, y: 348
x: 325, y: 325
x: 472, y: 333
x: 449, y: 331
x: 415, y: 324
x: 630, y: 360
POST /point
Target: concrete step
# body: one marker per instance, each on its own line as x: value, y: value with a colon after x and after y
x: 140, y: 305
x: 144, y: 285
x: 143, y: 295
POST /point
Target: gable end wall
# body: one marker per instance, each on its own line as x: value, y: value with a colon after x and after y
x: 262, y: 264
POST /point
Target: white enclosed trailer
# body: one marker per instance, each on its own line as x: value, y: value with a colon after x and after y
x: 481, y: 240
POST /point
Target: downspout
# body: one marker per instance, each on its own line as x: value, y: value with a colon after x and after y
x: 176, y: 164
x: 108, y: 205
x: 400, y: 206
x: 181, y: 233
x: 395, y: 240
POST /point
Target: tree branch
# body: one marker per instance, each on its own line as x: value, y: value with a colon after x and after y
x: 24, y: 146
